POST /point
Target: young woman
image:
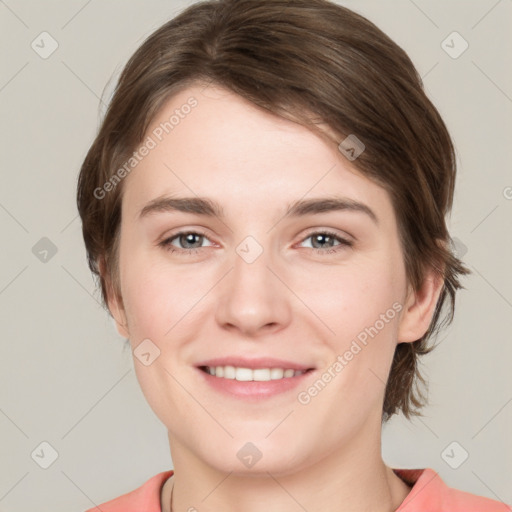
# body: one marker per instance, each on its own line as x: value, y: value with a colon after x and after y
x: 264, y: 205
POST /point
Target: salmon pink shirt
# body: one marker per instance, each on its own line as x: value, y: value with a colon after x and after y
x: 428, y: 494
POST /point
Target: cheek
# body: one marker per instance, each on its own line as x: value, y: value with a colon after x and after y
x: 351, y: 298
x: 361, y: 304
x: 154, y: 287
x: 150, y: 295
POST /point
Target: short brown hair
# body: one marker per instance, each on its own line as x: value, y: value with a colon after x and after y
x: 296, y: 59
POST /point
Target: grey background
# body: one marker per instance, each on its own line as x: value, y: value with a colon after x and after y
x: 65, y: 378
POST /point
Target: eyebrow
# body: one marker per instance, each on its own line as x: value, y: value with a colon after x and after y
x: 210, y: 208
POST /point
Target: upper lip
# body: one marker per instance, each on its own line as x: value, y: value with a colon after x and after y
x: 260, y: 362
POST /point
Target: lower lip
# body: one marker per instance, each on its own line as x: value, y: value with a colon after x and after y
x: 253, y: 389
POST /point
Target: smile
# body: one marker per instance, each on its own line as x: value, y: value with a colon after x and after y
x: 249, y: 374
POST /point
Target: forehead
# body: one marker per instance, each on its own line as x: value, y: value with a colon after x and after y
x: 210, y: 142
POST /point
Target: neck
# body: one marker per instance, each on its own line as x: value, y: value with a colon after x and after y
x: 353, y: 478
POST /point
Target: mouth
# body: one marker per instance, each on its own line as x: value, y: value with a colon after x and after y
x: 253, y: 380
x: 242, y: 374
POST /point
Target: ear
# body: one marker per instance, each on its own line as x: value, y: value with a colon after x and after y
x: 419, y: 308
x: 115, y: 303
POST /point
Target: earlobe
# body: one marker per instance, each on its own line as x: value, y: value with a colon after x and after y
x: 115, y: 304
x: 419, y: 308
x: 118, y: 315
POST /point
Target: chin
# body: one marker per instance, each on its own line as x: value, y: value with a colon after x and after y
x: 257, y: 458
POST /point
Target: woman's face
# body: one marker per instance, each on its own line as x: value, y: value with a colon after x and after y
x: 253, y: 288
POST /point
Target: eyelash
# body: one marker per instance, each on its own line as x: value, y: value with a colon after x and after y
x: 166, y: 244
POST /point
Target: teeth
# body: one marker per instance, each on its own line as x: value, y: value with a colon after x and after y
x: 229, y: 371
x: 243, y: 374
x: 247, y: 374
x: 262, y: 374
x: 276, y: 373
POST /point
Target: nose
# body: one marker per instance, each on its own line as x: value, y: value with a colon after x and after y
x: 253, y: 298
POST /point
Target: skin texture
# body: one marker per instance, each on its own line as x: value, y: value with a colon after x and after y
x: 293, y: 302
